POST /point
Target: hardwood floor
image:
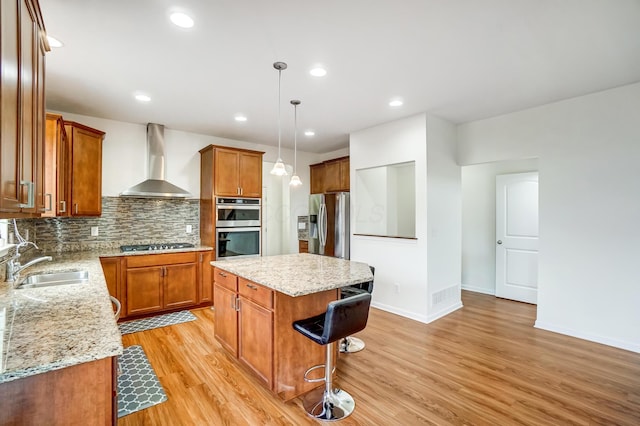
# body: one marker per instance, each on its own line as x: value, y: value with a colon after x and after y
x: 484, y: 364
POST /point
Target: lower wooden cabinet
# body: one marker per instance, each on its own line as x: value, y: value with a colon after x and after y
x: 83, y: 394
x: 244, y: 323
x: 152, y: 283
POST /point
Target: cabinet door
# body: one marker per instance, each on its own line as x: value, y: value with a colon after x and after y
x: 85, y: 148
x: 53, y: 124
x: 226, y: 167
x: 345, y: 177
x: 332, y: 176
x: 226, y: 318
x: 111, y: 271
x: 9, y: 102
x: 180, y: 285
x: 205, y: 277
x: 250, y: 175
x: 317, y: 178
x: 255, y: 346
x: 144, y: 290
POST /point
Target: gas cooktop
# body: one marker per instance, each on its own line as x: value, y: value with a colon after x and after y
x: 151, y: 247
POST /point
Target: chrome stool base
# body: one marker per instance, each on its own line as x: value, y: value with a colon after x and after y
x: 351, y: 345
x: 337, y: 405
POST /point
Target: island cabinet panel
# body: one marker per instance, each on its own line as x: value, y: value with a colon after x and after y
x: 255, y: 339
x: 83, y: 394
x: 226, y: 318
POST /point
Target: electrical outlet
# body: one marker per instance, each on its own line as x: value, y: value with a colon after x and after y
x: 189, y: 229
x: 94, y: 231
x: 396, y: 288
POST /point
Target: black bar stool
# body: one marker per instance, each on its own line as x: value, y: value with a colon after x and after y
x: 342, y: 318
x: 350, y: 344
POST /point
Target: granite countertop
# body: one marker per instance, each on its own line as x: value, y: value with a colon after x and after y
x: 48, y: 328
x: 298, y: 274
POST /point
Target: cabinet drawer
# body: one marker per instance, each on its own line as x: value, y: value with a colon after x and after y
x: 255, y: 292
x: 225, y: 279
x: 160, y: 259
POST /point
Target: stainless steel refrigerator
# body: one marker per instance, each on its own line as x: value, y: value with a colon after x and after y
x: 329, y: 224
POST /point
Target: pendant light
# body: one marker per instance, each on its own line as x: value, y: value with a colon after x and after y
x: 278, y: 168
x: 295, y: 180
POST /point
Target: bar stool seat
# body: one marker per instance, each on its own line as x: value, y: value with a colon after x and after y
x: 342, y: 318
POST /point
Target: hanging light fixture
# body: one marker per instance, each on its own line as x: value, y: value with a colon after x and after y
x: 295, y: 180
x: 278, y: 168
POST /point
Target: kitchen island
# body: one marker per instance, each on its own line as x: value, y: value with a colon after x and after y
x: 256, y: 301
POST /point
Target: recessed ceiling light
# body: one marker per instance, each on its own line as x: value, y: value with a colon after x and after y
x: 318, y: 72
x: 181, y: 19
x: 309, y: 133
x: 240, y: 118
x: 142, y: 98
x: 395, y: 103
x: 54, y: 42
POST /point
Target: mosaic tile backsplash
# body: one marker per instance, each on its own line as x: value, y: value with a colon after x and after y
x: 124, y: 220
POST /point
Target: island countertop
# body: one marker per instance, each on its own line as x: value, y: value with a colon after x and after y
x: 298, y: 274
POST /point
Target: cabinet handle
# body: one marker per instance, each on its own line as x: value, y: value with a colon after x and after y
x: 63, y: 206
x: 238, y: 190
x: 201, y: 257
x: 223, y: 274
x: 50, y: 197
x: 31, y: 199
x: 76, y: 207
x: 252, y: 287
x: 238, y: 304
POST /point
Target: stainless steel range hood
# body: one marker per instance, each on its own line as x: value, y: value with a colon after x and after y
x: 156, y: 186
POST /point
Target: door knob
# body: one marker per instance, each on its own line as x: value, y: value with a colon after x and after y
x: 499, y: 241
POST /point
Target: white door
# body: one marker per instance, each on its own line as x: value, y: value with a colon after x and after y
x: 517, y: 236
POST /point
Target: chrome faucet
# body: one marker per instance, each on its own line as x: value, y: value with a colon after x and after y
x: 14, y: 267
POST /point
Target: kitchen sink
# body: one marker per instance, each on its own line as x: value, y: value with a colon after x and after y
x: 54, y: 279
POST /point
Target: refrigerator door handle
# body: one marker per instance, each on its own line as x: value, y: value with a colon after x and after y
x: 322, y: 225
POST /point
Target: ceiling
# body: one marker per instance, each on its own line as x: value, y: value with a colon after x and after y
x: 462, y: 60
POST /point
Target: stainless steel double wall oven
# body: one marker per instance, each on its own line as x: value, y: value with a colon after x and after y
x: 237, y: 227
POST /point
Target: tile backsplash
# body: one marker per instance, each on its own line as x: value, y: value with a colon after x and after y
x: 124, y: 220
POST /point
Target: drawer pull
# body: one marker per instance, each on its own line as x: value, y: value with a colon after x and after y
x: 252, y: 287
x: 223, y: 274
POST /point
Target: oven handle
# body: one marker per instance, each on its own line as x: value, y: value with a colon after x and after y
x: 239, y: 229
x: 238, y: 207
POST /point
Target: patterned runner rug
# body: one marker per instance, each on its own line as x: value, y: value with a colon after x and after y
x: 156, y: 322
x: 138, y: 385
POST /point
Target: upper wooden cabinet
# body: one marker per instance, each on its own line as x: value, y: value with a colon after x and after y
x: 330, y: 176
x: 55, y: 165
x: 237, y: 173
x: 84, y: 172
x: 226, y: 172
x: 22, y: 48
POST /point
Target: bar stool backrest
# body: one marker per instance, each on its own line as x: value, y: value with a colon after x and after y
x: 345, y: 317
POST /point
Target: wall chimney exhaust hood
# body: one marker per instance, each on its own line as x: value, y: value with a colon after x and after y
x: 156, y: 186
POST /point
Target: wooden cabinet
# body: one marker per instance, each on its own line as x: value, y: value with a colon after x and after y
x: 83, y: 394
x: 84, y: 174
x: 244, y: 322
x: 160, y: 282
x: 330, y: 176
x: 226, y: 172
x: 303, y: 246
x: 22, y: 50
x: 205, y: 280
x: 55, y: 167
x: 112, y: 270
x: 237, y: 173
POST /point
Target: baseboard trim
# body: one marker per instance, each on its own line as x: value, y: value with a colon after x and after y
x: 482, y: 290
x: 621, y: 344
x: 417, y: 317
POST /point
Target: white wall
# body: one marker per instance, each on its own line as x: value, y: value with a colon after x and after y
x: 589, y: 155
x: 444, y: 226
x: 124, y: 162
x: 479, y: 221
x: 401, y: 280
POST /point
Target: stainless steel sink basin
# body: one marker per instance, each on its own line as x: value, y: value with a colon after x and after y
x: 54, y: 279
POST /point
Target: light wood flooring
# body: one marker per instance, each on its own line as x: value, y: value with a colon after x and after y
x: 484, y: 364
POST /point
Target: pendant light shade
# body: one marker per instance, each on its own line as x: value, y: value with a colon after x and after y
x: 295, y: 180
x: 278, y: 168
